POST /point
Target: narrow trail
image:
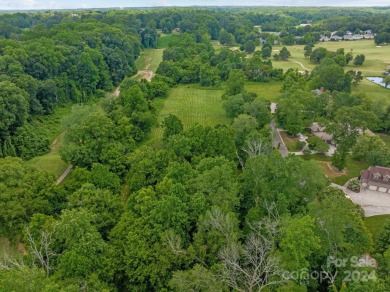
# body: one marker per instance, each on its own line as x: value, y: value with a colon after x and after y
x: 64, y: 175
x: 117, y: 92
x: 301, y: 65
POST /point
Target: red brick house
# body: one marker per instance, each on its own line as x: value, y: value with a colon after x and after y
x: 376, y: 178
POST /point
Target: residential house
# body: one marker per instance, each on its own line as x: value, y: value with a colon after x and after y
x: 324, y: 38
x: 356, y: 37
x: 336, y: 38
x: 319, y: 131
x: 376, y: 178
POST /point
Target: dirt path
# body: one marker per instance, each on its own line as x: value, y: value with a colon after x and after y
x: 301, y: 65
x: 145, y: 73
x: 64, y: 175
x: 117, y: 92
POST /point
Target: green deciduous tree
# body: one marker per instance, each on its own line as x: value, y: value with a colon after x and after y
x: 172, y: 126
x: 13, y: 106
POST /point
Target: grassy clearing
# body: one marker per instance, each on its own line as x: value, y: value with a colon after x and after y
x: 375, y: 224
x: 149, y: 59
x: 192, y: 104
x: 51, y: 161
x: 352, y: 169
x: 164, y: 40
x: 269, y: 91
x: 51, y: 125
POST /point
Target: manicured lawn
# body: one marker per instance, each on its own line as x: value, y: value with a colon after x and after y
x: 269, y: 91
x: 352, y: 169
x: 192, y: 104
x: 149, y: 59
x: 291, y: 142
x: 375, y: 224
x: 377, y: 58
x: 374, y: 91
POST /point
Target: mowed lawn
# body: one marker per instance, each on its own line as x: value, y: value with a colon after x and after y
x: 149, y: 59
x: 269, y: 91
x: 377, y: 58
x: 376, y: 223
x: 352, y: 169
x: 192, y: 104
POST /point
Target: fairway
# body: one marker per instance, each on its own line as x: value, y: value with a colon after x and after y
x: 192, y: 104
x: 377, y: 58
x: 373, y: 91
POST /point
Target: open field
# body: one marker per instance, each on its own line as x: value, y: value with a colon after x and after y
x: 269, y: 91
x: 192, y: 104
x: 375, y: 224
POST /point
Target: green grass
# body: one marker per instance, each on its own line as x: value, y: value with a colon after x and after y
x: 352, y: 169
x: 291, y: 142
x: 149, y: 59
x: 375, y: 224
x: 373, y: 91
x: 10, y: 249
x: 377, y: 58
x: 192, y: 104
x: 51, y: 161
x: 269, y: 91
x: 164, y: 40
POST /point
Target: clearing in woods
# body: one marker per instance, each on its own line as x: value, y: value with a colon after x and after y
x: 147, y: 63
x: 192, y: 104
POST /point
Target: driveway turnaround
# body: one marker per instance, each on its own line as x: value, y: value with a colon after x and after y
x: 373, y: 203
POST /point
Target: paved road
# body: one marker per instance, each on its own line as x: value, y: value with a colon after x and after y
x: 373, y: 203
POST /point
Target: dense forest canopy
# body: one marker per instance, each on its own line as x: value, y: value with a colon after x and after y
x: 204, y: 208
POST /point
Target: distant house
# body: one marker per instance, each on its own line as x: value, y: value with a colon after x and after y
x: 347, y: 37
x: 368, y: 36
x: 305, y: 24
x: 336, y: 38
x: 319, y: 131
x: 356, y: 37
x: 376, y: 178
x: 324, y: 38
